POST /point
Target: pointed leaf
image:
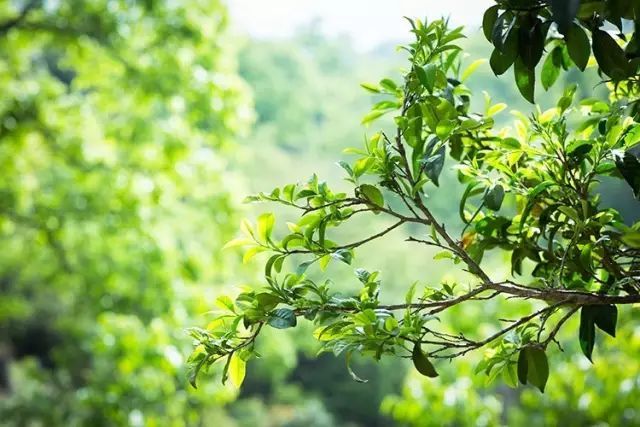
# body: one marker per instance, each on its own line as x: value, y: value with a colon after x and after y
x: 606, y: 318
x: 433, y: 164
x: 525, y: 80
x: 587, y: 333
x: 237, y: 370
x: 422, y: 363
x: 629, y: 168
x: 578, y: 46
x: 523, y: 367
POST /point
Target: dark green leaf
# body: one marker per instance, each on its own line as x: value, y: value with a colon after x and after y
x: 525, y: 80
x: 564, y: 12
x: 494, y: 197
x: 551, y: 68
x: 497, y: 33
x: 282, y: 318
x: 501, y: 60
x: 629, y: 167
x: 489, y: 21
x: 538, y: 367
x: 610, y: 56
x: 587, y: 333
x: 578, y: 46
x: 523, y: 366
x: 606, y: 318
x: 531, y: 44
x: 422, y: 363
x: 433, y: 164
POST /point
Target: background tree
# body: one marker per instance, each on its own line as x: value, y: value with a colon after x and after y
x: 114, y: 118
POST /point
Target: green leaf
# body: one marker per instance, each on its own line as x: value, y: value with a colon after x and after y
x: 629, y: 167
x: 564, y: 12
x: 494, y: 197
x: 531, y: 197
x: 422, y: 363
x: 267, y: 301
x: 444, y: 128
x: 282, y: 318
x: 587, y: 333
x: 586, y: 257
x: 427, y: 76
x: 433, y: 164
x: 606, y: 318
x: 578, y: 46
x: 237, y: 370
x: 525, y: 79
x: 372, y: 194
x: 551, y: 68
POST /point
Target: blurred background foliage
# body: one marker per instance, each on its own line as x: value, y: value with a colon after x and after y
x: 129, y: 132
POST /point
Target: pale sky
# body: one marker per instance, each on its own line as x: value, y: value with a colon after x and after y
x: 367, y: 22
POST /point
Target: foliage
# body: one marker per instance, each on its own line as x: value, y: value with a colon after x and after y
x: 530, y: 191
x: 521, y: 30
x: 114, y: 117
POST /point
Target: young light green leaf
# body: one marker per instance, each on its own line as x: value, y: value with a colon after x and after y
x: 264, y: 226
x: 237, y: 370
x: 471, y: 68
